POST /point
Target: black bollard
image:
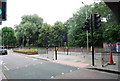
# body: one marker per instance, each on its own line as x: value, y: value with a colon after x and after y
x: 55, y: 53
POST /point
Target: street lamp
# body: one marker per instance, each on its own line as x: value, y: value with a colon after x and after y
x: 3, y: 40
x: 87, y: 30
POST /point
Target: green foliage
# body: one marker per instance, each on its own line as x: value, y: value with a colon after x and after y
x: 0, y: 37
x: 57, y: 33
x: 27, y: 31
x: 8, y: 37
x: 44, y: 35
x: 112, y: 34
x: 52, y: 35
x: 38, y: 21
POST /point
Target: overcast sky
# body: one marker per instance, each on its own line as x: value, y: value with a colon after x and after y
x: 50, y: 10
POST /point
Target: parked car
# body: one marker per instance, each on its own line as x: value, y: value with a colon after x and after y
x: 3, y: 52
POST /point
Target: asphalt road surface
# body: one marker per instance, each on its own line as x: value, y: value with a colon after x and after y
x: 20, y: 66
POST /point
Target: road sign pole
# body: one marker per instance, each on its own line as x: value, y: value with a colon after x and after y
x: 92, y: 41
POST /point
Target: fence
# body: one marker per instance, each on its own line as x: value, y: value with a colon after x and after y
x: 104, y: 58
x: 46, y: 53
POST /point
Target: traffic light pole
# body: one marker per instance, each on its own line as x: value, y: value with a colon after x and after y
x: 87, y: 42
x: 92, y: 41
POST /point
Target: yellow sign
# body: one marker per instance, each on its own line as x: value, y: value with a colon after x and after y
x: 90, y: 48
x: 57, y: 48
x: 66, y: 47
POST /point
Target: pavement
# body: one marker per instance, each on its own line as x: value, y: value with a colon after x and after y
x: 80, y: 59
x: 1, y: 73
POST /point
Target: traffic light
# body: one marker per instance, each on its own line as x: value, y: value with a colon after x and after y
x: 65, y: 38
x: 87, y: 25
x: 97, y: 21
x: 4, y: 8
x: 0, y: 11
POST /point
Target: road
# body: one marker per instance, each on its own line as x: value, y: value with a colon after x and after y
x: 20, y: 66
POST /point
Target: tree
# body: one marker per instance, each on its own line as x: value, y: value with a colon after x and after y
x: 76, y: 36
x: 57, y: 33
x: 38, y: 21
x: 28, y: 30
x: 44, y: 36
x: 0, y: 37
x: 112, y: 34
x: 8, y: 37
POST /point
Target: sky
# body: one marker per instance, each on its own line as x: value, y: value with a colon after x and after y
x: 50, y: 10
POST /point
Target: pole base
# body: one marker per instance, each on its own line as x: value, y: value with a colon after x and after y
x: 108, y: 64
x: 111, y: 63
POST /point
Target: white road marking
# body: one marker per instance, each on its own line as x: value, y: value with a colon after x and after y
x: 41, y: 63
x: 34, y: 59
x: 52, y: 76
x: 34, y: 64
x: 17, y: 68
x: 26, y: 57
x: 78, y: 68
x: 70, y: 70
x: 62, y: 73
x: 1, y: 62
x: 26, y: 65
x: 6, y: 67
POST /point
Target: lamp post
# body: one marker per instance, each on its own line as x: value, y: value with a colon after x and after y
x: 87, y: 31
x: 3, y: 40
